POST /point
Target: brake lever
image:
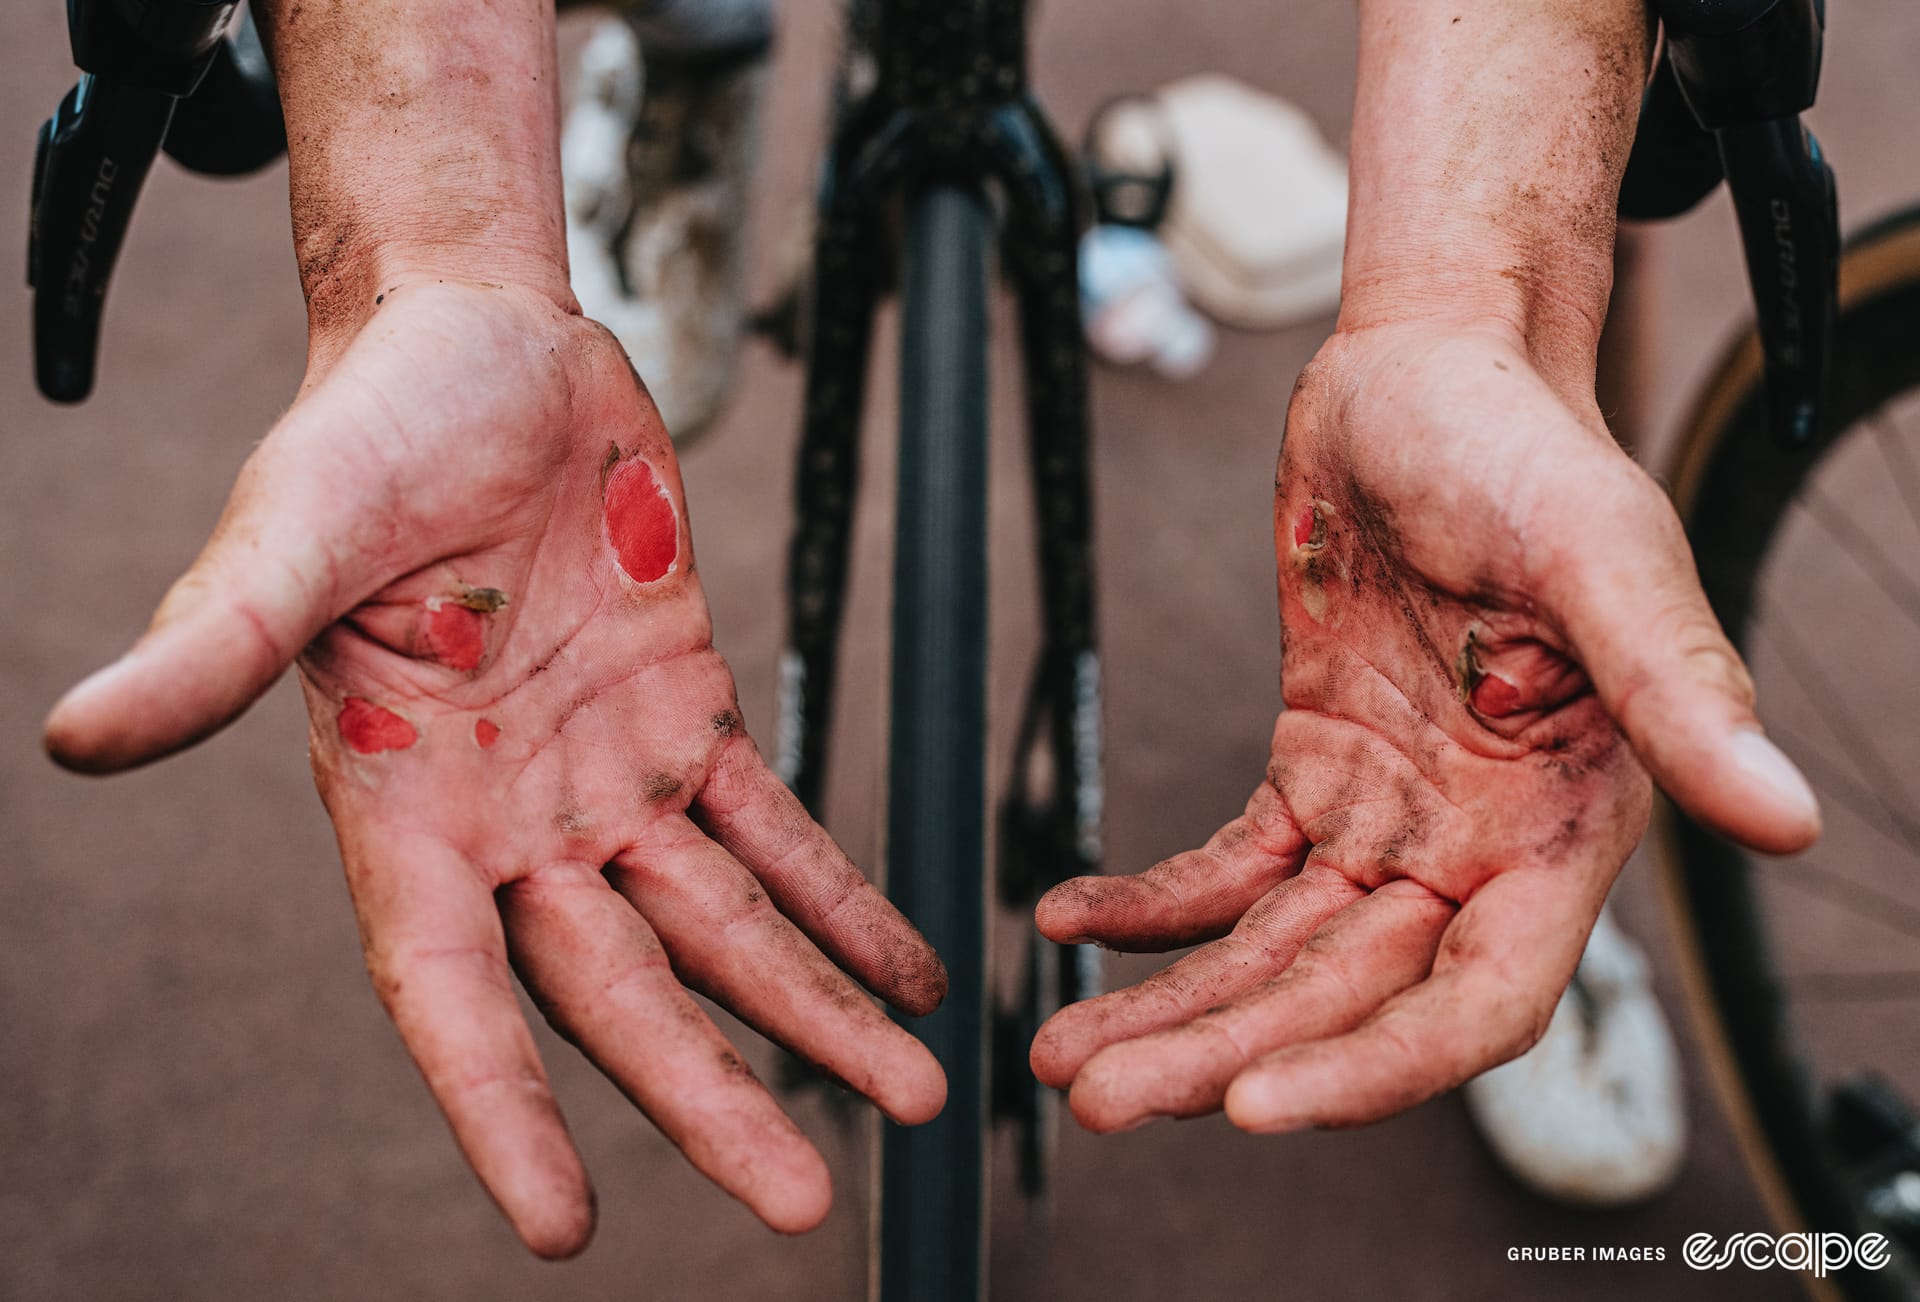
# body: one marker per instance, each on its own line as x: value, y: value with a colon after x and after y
x: 138, y: 63
x: 92, y: 157
x: 1748, y: 69
x: 1783, y: 193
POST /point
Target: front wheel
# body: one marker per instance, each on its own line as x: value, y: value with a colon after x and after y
x: 930, y: 1238
x: 1805, y: 973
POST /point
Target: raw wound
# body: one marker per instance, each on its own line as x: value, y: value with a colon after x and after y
x: 1495, y: 697
x: 456, y: 636
x: 641, y: 522
x: 370, y: 728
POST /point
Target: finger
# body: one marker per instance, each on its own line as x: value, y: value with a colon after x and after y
x: 603, y: 980
x: 1368, y: 952
x: 727, y: 941
x: 1184, y: 900
x: 1630, y: 601
x: 1259, y: 947
x: 277, y: 570
x: 1501, y: 967
x: 763, y: 825
x: 438, y: 961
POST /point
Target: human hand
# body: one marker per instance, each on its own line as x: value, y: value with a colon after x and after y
x: 470, y: 531
x: 1480, y: 594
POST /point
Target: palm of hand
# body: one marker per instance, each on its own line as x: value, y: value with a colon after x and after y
x: 1448, y: 798
x: 473, y: 523
x: 503, y: 690
x: 1437, y: 731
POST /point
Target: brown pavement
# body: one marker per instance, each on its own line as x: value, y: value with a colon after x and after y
x: 200, y: 1098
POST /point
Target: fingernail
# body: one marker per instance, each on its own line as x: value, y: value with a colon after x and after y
x: 1140, y: 1121
x: 1758, y: 758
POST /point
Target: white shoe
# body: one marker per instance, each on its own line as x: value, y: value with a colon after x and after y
x: 1594, y: 1115
x: 1256, y: 219
x: 657, y: 159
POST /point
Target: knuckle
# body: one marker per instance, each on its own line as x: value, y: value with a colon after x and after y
x: 1521, y: 1024
x: 396, y: 973
x: 1691, y: 653
x: 521, y: 1083
x: 1713, y: 661
x: 1227, y: 1030
x: 750, y: 911
x: 729, y: 787
x: 1336, y: 982
x: 1530, y: 1030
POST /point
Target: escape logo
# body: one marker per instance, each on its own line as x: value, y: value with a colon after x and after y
x: 1821, y: 1253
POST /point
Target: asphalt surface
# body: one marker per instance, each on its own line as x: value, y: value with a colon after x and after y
x: 199, y: 1096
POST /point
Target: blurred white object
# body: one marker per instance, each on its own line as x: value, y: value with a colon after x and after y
x: 593, y: 141
x: 657, y: 160
x: 1257, y: 220
x: 1131, y: 305
x: 1593, y: 1115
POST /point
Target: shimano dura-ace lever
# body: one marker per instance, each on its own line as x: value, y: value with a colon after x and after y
x: 1735, y: 75
x: 140, y: 63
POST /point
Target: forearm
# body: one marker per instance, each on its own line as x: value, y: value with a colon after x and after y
x: 422, y: 140
x: 1488, y: 145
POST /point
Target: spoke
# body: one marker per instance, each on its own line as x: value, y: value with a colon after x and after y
x: 1900, y: 463
x: 1846, y: 793
x: 1764, y: 636
x: 1806, y: 748
x: 1863, y: 901
x: 1899, y: 587
x: 1833, y: 709
x: 1857, y: 986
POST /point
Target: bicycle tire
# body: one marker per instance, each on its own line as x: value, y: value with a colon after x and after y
x: 1732, y: 484
x: 932, y: 1179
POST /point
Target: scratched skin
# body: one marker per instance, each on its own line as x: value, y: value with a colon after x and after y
x: 555, y: 781
x: 1479, y: 595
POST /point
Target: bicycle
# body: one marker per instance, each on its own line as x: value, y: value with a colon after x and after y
x: 1841, y: 1156
x: 936, y: 118
x: 1752, y: 475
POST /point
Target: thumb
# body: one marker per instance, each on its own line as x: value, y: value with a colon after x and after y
x: 269, y: 579
x: 1628, y: 597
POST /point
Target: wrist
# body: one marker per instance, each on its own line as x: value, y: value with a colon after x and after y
x: 1487, y: 151
x: 422, y: 142
x: 350, y: 265
x: 1431, y: 261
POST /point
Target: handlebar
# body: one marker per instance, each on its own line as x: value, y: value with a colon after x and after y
x: 1744, y: 71
x: 140, y: 65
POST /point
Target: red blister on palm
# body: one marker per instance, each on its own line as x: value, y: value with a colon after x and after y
x: 641, y: 522
x: 370, y: 728
x: 456, y: 636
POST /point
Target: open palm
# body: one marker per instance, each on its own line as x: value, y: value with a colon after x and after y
x: 1487, y: 613
x: 471, y: 532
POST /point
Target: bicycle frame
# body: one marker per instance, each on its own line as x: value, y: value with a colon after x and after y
x: 932, y: 113
x: 937, y: 93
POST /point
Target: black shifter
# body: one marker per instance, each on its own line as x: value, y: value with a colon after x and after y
x: 141, y: 63
x: 1735, y: 76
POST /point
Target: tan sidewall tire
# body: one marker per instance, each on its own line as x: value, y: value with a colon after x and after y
x: 1888, y: 259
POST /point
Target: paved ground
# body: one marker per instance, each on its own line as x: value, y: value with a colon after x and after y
x: 201, y: 1098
